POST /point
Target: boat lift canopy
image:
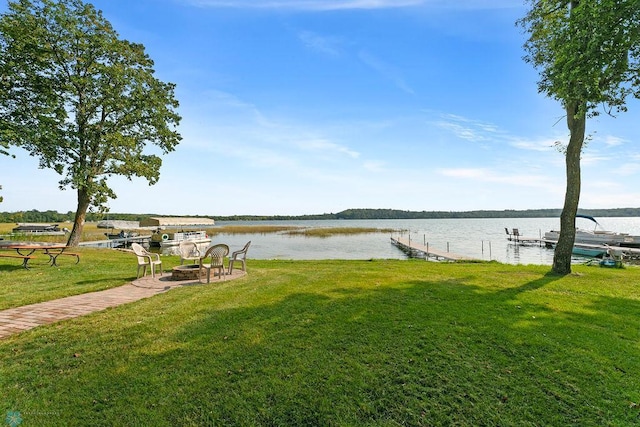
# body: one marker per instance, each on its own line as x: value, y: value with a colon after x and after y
x: 589, y: 218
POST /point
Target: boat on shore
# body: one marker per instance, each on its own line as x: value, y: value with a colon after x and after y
x: 597, y: 236
x: 593, y: 251
x: 165, y: 240
x: 39, y: 229
x: 121, y: 235
x: 585, y: 249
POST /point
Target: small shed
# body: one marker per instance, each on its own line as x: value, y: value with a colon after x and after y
x: 177, y: 222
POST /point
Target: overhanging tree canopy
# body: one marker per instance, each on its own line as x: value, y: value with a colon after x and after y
x: 83, y: 101
x: 588, y: 54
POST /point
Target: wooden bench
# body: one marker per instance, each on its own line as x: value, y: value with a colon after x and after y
x: 25, y: 258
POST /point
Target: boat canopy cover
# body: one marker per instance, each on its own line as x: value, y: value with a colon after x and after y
x: 177, y: 222
x: 113, y: 223
x: 587, y: 217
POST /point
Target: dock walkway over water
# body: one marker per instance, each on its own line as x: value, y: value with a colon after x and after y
x: 515, y: 237
x: 429, y: 252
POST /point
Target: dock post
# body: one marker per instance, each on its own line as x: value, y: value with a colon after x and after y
x: 447, y: 246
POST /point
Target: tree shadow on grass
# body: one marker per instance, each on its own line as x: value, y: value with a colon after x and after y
x: 7, y: 267
x: 429, y: 352
x: 532, y: 285
x: 418, y: 352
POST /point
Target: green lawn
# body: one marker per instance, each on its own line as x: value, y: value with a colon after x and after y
x: 98, y: 269
x: 331, y: 343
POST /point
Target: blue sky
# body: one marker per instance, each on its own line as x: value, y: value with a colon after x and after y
x: 316, y: 106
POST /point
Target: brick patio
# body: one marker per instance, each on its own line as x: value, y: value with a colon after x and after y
x: 15, y: 320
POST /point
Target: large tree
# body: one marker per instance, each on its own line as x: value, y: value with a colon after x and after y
x: 4, y: 146
x: 80, y: 99
x: 588, y: 54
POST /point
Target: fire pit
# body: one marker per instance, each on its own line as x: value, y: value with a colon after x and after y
x: 185, y: 272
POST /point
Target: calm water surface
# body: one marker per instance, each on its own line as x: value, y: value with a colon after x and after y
x: 479, y: 238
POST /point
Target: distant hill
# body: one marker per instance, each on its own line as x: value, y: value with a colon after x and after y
x: 400, y: 214
x: 56, y: 217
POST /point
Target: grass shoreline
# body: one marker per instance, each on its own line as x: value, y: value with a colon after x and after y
x: 92, y: 233
x: 332, y: 343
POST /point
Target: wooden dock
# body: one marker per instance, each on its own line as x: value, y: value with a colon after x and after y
x: 515, y: 237
x: 523, y: 240
x: 415, y: 248
x: 624, y: 253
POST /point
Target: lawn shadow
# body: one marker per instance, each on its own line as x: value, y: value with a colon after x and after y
x: 532, y: 285
x: 445, y: 341
x: 9, y: 267
x: 412, y: 352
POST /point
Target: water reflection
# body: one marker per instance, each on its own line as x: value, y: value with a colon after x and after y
x: 482, y: 239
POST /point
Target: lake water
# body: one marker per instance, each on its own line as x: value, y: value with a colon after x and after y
x: 483, y: 239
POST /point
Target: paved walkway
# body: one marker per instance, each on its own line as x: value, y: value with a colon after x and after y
x: 15, y: 320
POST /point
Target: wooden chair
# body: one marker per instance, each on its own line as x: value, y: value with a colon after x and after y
x: 214, y: 259
x: 240, y: 256
x: 146, y: 258
x: 189, y: 251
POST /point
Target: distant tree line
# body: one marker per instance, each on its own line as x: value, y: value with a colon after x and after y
x: 56, y: 217
x: 529, y: 213
x: 401, y: 214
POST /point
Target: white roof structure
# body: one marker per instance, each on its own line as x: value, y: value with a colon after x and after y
x: 176, y: 222
x: 114, y: 223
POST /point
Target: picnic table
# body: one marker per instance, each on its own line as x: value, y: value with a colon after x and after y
x: 26, y: 251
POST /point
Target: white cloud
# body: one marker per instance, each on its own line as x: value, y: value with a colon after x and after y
x: 322, y: 145
x: 605, y: 199
x: 628, y: 169
x: 386, y: 70
x: 242, y: 132
x: 326, y: 5
x: 463, y: 132
x: 311, y: 5
x: 613, y: 141
x: 484, y: 132
x: 476, y: 4
x: 471, y: 130
x: 534, y: 145
x: 326, y: 45
x: 470, y: 173
x: 374, y: 166
x: 591, y: 158
x: 490, y: 176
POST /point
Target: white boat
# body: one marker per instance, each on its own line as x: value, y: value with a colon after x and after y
x: 121, y: 235
x: 597, y: 236
x: 165, y: 240
x: 40, y: 229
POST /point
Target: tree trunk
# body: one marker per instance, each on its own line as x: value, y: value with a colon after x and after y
x: 576, y: 121
x: 81, y: 215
